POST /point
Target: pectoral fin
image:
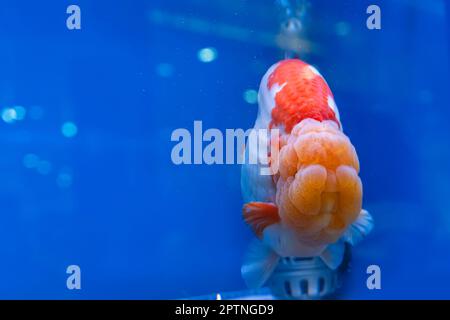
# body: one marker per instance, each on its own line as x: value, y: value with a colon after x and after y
x: 359, y: 229
x: 333, y: 254
x: 260, y: 215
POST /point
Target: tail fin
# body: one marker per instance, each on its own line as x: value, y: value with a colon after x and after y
x: 259, y: 263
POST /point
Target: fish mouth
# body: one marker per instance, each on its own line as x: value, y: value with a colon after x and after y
x: 329, y: 202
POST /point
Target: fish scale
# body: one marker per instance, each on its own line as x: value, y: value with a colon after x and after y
x: 304, y: 95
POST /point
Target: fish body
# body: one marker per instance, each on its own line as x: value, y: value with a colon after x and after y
x: 312, y: 204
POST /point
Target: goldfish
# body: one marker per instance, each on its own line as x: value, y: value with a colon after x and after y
x: 312, y: 205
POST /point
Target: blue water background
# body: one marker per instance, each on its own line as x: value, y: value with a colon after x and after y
x: 110, y: 200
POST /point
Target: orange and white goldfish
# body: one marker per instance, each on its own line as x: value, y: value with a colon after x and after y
x: 312, y: 205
